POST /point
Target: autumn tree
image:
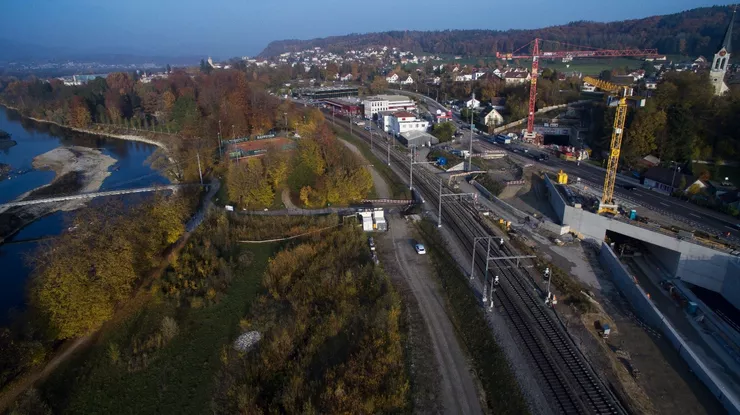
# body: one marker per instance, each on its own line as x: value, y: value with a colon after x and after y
x: 379, y: 85
x: 79, y: 116
x: 247, y: 184
x: 641, y: 137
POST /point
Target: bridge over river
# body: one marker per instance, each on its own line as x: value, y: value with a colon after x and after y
x: 92, y: 195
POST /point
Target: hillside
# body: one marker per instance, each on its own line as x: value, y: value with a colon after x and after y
x: 692, y: 32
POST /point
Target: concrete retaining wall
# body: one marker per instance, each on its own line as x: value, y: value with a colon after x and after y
x: 731, y: 284
x: 697, y: 264
x: 653, y: 317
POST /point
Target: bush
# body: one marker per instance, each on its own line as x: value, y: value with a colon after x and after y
x: 331, y: 341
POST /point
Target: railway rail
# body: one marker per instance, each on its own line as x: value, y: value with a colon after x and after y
x: 567, y: 379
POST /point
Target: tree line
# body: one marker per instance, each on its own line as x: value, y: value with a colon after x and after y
x: 692, y: 32
x: 683, y: 121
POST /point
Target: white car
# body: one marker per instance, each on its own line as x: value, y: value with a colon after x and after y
x: 420, y: 249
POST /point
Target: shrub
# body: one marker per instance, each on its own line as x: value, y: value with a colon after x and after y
x: 169, y: 328
x: 114, y: 353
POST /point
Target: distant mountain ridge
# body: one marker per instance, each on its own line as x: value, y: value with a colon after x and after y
x: 12, y: 51
x: 692, y: 32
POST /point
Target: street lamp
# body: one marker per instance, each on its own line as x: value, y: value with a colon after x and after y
x: 673, y: 180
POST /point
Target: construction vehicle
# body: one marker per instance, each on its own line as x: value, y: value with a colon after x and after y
x: 538, y: 54
x: 608, y: 204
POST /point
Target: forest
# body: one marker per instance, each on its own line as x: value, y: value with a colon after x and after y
x: 692, y: 33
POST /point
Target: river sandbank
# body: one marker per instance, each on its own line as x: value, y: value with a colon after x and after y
x: 77, y: 169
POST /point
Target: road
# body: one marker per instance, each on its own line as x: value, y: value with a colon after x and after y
x: 695, y: 216
x: 457, y: 387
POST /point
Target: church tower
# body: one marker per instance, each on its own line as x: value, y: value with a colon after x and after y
x: 720, y: 62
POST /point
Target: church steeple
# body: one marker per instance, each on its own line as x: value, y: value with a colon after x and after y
x: 721, y: 59
x: 727, y: 43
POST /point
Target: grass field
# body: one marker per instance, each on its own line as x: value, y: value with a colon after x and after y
x: 180, y: 377
x: 398, y: 189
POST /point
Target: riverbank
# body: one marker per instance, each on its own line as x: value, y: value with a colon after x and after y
x: 77, y: 169
x: 103, y: 133
x: 5, y: 141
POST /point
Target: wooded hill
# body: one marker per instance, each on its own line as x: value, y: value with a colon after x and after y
x: 692, y: 32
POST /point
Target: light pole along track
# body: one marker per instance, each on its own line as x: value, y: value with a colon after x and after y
x: 569, y: 382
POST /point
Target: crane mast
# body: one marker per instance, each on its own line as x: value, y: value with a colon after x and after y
x: 536, y: 55
x: 608, y: 204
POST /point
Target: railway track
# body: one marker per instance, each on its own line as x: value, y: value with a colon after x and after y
x: 568, y: 380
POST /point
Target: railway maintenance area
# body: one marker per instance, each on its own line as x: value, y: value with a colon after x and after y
x: 578, y: 370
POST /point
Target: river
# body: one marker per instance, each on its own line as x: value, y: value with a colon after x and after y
x: 33, y: 138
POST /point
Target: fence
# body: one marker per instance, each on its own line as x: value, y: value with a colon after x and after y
x: 653, y: 317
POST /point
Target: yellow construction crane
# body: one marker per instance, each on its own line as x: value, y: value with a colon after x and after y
x: 607, y: 198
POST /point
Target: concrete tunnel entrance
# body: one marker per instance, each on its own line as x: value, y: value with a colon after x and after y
x: 664, y: 263
x: 665, y: 260
x: 561, y: 140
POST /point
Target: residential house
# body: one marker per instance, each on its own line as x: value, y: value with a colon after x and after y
x: 516, y: 77
x: 472, y: 103
x: 650, y: 83
x: 346, y: 78
x: 392, y: 78
x: 478, y: 75
x: 665, y: 181
x: 493, y: 118
x: 408, y: 81
x: 464, y: 78
x: 588, y: 87
x: 498, y: 72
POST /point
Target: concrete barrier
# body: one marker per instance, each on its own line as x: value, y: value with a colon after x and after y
x: 654, y: 318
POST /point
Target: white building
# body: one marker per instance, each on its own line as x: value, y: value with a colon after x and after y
x: 464, y: 78
x: 392, y: 78
x: 493, y: 118
x: 472, y: 103
x: 588, y: 87
x: 516, y: 77
x: 408, y: 81
x: 377, y: 103
x: 404, y: 121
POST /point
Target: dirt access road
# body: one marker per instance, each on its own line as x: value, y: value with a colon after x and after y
x: 381, y: 187
x: 457, y: 385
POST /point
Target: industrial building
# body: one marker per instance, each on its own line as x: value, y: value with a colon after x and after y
x: 327, y: 92
x: 378, y: 103
x: 403, y: 121
x: 417, y: 139
x: 344, y: 106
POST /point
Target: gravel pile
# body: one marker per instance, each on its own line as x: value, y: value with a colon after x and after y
x: 247, y: 340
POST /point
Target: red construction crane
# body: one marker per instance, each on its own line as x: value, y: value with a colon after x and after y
x: 536, y: 55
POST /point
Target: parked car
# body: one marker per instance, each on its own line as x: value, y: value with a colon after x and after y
x: 371, y: 242
x: 629, y: 186
x: 420, y: 249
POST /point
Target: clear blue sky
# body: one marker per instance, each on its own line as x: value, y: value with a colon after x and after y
x: 225, y: 28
